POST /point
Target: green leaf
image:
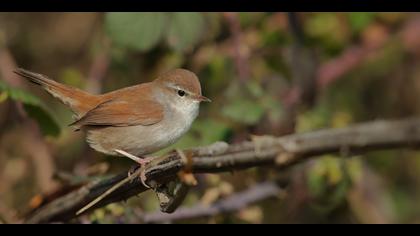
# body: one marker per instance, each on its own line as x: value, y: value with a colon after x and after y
x: 19, y: 95
x: 244, y: 111
x: 359, y: 20
x: 139, y: 31
x: 255, y: 88
x: 328, y: 30
x: 185, y: 29
x: 34, y: 107
x: 3, y: 96
x: 273, y: 107
x: 328, y: 182
x: 45, y: 121
x: 316, y: 179
x: 317, y: 118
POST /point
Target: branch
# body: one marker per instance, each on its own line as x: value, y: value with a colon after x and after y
x: 303, y: 66
x: 98, y: 69
x: 232, y: 203
x: 281, y: 152
x: 355, y: 55
x: 240, y: 56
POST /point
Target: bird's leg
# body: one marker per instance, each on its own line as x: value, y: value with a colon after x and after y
x: 172, y: 193
x: 142, y: 161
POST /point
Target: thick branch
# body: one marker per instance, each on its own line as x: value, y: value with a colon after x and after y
x: 281, y: 152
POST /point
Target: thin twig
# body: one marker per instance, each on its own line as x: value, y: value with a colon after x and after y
x: 239, y: 55
x: 354, y: 56
x: 232, y: 203
x: 99, y: 69
x: 303, y: 66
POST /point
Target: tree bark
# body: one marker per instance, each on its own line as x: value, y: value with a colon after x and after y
x: 281, y: 152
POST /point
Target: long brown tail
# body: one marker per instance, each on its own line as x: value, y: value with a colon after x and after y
x: 79, y: 101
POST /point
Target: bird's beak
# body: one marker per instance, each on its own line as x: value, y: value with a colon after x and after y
x: 201, y: 98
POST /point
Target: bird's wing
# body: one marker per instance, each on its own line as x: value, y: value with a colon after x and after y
x: 118, y: 112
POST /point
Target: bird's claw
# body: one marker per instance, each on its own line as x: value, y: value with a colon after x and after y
x: 141, y: 161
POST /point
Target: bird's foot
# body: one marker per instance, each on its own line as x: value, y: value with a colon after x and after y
x: 141, y: 161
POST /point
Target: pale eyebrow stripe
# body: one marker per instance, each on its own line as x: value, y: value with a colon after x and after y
x: 174, y: 86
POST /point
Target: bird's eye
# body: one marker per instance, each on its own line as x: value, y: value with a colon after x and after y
x: 181, y: 93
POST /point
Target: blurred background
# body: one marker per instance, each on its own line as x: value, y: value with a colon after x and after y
x: 267, y: 74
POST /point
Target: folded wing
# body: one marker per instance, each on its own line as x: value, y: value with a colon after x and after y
x: 118, y: 112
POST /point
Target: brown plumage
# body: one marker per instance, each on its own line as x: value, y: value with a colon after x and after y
x: 78, y: 100
x: 139, y: 119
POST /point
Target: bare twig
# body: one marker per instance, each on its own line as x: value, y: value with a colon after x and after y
x: 98, y: 69
x: 281, y: 152
x: 303, y: 66
x: 355, y: 55
x: 296, y: 27
x: 232, y: 203
x: 239, y: 55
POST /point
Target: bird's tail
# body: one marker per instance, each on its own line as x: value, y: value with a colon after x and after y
x: 79, y: 101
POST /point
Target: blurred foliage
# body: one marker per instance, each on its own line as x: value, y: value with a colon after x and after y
x: 258, y: 69
x: 135, y: 31
x: 33, y: 106
x: 360, y: 20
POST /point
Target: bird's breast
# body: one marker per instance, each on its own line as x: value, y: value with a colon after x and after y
x: 141, y: 140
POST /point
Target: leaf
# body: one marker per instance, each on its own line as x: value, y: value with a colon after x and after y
x: 255, y: 88
x: 47, y: 124
x: 359, y: 20
x: 34, y: 107
x: 244, y: 111
x: 185, y: 29
x: 3, y: 96
x: 274, y: 108
x: 316, y: 118
x: 218, y: 65
x: 252, y: 214
x: 139, y: 31
x: 328, y: 183
x: 355, y: 169
x: 328, y: 30
x: 316, y: 179
x: 341, y: 119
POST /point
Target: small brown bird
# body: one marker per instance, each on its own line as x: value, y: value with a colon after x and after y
x: 136, y: 120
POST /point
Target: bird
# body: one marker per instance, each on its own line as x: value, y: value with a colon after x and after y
x: 133, y: 121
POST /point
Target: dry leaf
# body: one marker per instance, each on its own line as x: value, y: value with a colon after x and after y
x: 187, y: 178
x: 211, y: 195
x: 283, y: 158
x: 253, y: 214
